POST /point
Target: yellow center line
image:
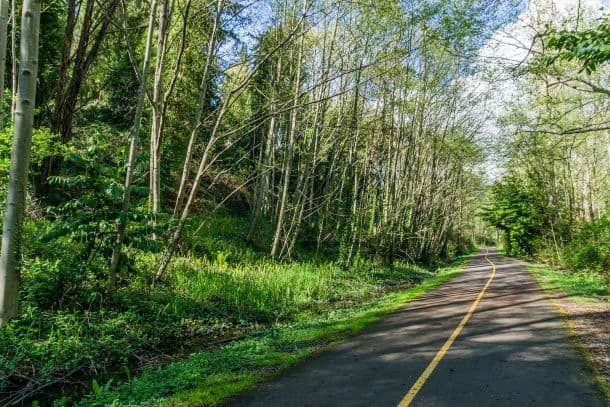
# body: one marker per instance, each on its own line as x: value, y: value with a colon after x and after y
x: 408, y: 398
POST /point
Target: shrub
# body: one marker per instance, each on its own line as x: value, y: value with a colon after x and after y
x: 586, y: 257
x: 590, y: 248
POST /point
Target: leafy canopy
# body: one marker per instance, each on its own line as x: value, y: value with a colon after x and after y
x: 590, y: 48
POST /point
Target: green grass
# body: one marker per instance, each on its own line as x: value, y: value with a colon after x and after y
x: 269, y: 291
x: 584, y: 286
x: 208, y: 378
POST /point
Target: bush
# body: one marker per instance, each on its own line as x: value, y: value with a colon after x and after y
x: 590, y: 249
x: 586, y: 257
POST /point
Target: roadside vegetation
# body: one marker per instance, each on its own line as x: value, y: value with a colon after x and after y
x: 579, y: 285
x: 68, y: 334
x: 210, y: 377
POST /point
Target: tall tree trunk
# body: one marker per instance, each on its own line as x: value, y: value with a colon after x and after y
x: 289, y: 149
x: 203, y: 87
x: 157, y: 109
x: 186, y: 211
x: 20, y: 162
x: 13, y: 58
x: 133, y: 145
x: 261, y: 192
x: 4, y: 5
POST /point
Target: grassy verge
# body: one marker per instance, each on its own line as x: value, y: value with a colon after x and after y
x: 209, y: 378
x: 583, y: 287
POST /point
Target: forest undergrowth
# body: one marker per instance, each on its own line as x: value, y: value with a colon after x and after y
x: 73, y: 338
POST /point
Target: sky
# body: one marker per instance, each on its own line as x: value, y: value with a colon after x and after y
x: 512, y: 41
x: 508, y: 48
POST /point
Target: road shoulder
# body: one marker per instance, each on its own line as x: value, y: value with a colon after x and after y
x: 586, y: 319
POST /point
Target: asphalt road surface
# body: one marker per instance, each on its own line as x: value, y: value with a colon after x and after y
x: 449, y: 349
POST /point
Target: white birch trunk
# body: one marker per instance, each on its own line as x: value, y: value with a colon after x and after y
x: 13, y: 58
x: 20, y: 162
x: 157, y: 110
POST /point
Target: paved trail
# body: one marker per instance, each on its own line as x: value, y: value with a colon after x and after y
x: 512, y: 350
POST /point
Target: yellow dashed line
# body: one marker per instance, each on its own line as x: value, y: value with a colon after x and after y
x: 406, y: 401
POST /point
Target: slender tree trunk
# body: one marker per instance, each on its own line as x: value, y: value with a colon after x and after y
x: 353, y: 236
x: 133, y: 145
x: 289, y: 152
x: 173, y: 244
x: 157, y: 109
x: 13, y: 58
x: 263, y: 178
x: 4, y: 5
x: 10, y: 258
x: 200, y: 106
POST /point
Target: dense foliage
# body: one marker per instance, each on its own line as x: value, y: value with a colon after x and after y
x: 513, y: 211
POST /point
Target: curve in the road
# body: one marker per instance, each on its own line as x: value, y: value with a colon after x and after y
x: 513, y: 351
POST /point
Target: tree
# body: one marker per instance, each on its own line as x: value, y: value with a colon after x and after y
x: 291, y: 140
x: 20, y: 160
x: 4, y: 5
x: 203, y: 92
x: 94, y: 24
x: 79, y: 52
x: 208, y: 157
x: 133, y: 145
x: 554, y: 134
x: 512, y: 210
